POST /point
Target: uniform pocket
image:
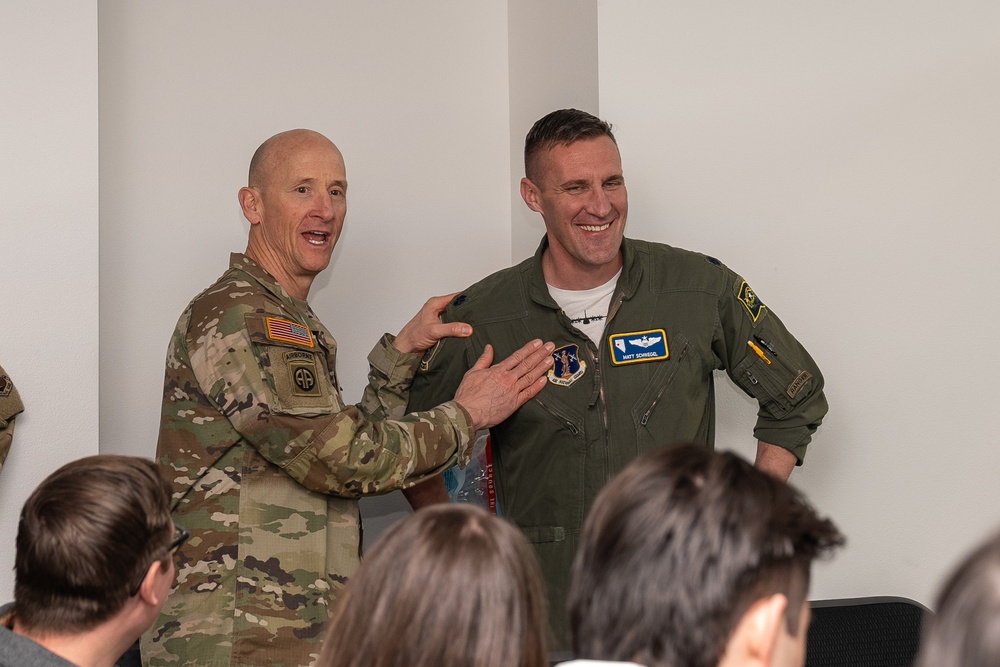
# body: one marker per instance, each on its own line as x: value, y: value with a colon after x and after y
x: 295, y: 371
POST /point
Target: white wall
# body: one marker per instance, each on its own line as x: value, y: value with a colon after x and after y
x: 415, y: 95
x: 845, y: 158
x: 48, y: 244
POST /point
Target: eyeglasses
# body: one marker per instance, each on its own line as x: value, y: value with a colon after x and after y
x: 180, y: 538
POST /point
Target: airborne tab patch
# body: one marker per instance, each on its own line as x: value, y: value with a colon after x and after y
x: 567, y: 367
x: 288, y: 331
x: 638, y: 346
x: 750, y: 301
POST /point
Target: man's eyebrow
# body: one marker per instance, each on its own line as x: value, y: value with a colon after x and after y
x: 569, y: 184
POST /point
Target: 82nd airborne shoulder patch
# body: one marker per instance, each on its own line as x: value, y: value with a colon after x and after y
x: 638, y: 346
x: 750, y: 301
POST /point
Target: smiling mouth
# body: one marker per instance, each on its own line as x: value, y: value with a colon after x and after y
x: 316, y: 238
x: 595, y: 228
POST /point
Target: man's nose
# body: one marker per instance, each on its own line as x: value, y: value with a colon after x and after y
x: 324, y: 205
x: 600, y: 203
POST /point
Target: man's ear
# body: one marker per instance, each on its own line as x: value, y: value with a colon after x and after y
x: 251, y: 204
x: 756, y: 635
x: 531, y: 195
x: 152, y: 591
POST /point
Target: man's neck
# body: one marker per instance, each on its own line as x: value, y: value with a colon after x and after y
x: 572, y: 277
x: 296, y: 286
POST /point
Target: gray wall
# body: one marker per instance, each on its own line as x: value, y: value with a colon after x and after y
x: 840, y: 157
x: 48, y: 244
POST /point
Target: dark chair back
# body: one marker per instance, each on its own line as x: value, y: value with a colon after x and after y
x: 864, y: 632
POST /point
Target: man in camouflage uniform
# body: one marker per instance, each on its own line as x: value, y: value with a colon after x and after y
x: 10, y: 407
x: 265, y: 459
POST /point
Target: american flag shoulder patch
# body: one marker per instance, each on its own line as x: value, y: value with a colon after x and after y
x: 288, y: 331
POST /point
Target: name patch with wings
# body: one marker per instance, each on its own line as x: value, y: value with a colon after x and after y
x: 638, y: 346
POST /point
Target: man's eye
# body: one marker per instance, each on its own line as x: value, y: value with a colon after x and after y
x: 302, y: 189
x: 336, y: 193
x: 614, y: 184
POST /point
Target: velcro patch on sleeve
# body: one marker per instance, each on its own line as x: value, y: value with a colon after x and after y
x: 750, y: 301
x: 289, y: 332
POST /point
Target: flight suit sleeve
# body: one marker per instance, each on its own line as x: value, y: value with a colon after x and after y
x: 280, y: 396
x: 770, y: 365
x: 440, y: 372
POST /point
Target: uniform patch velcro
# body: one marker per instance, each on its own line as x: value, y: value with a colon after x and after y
x: 288, y: 331
x: 638, y: 346
x: 750, y: 301
x: 567, y: 366
x: 796, y: 385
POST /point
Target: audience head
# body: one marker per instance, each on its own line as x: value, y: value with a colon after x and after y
x: 965, y: 629
x: 561, y: 127
x: 94, y: 535
x: 449, y: 586
x: 693, y: 558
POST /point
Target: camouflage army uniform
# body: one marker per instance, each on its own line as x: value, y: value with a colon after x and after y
x: 10, y: 407
x: 267, y: 463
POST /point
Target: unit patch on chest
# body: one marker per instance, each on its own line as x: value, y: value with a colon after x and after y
x: 638, y: 346
x: 567, y: 367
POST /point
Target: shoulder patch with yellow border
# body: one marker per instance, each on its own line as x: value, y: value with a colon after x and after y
x: 637, y: 347
x: 750, y: 301
x: 289, y: 332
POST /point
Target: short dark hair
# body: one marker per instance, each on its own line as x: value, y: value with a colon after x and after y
x: 680, y: 545
x: 85, y: 536
x: 561, y: 127
x: 448, y: 586
x: 965, y: 629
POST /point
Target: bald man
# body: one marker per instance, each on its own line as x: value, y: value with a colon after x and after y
x: 265, y: 459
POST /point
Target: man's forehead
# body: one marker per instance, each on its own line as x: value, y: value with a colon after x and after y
x: 598, y: 154
x: 309, y: 162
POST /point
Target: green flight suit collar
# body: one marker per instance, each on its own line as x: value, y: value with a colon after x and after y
x: 628, y: 282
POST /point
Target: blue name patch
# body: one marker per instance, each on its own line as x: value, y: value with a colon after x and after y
x: 638, y: 346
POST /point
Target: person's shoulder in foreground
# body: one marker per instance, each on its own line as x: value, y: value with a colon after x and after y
x: 93, y: 563
x: 964, y: 630
x: 449, y: 586
x: 704, y: 560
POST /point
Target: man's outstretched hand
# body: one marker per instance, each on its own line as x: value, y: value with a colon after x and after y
x: 490, y: 394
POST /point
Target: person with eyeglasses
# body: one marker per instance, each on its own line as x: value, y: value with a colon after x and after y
x: 93, y: 565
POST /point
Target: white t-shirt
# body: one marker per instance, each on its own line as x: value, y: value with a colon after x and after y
x: 587, y: 309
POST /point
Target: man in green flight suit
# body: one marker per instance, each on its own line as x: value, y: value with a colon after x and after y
x: 265, y: 459
x: 639, y: 330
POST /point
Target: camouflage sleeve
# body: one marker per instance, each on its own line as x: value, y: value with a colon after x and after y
x: 770, y: 365
x: 10, y: 407
x: 390, y: 376
x: 280, y: 397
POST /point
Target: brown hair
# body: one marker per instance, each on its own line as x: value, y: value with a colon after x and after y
x: 680, y: 545
x: 449, y: 586
x: 86, y: 535
x: 561, y: 127
x: 965, y: 629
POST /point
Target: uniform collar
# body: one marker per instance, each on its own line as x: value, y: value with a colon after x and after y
x: 628, y: 282
x: 241, y: 262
